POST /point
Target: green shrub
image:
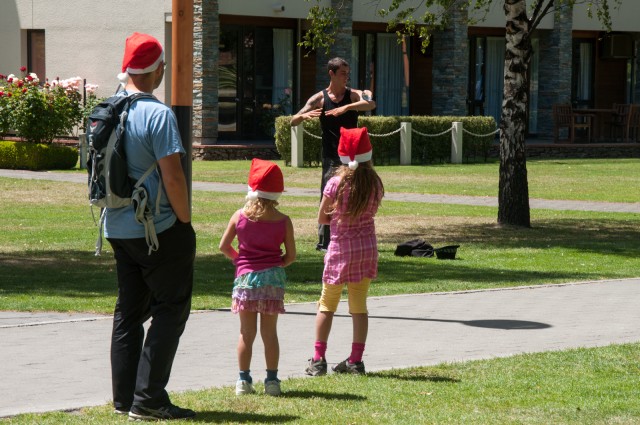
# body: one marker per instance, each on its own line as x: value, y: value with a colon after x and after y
x: 385, y: 138
x: 37, y: 156
x: 39, y: 113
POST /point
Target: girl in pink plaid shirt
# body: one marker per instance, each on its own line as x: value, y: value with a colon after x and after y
x: 349, y: 204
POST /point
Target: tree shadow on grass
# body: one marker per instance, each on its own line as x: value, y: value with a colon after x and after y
x: 224, y: 417
x: 68, y: 275
x: 617, y: 237
x: 417, y: 375
x: 318, y: 394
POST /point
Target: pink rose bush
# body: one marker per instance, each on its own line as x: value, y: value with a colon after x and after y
x: 40, y: 112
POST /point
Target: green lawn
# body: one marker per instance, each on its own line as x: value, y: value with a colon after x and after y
x: 48, y: 235
x: 575, y: 179
x: 582, y: 386
x: 47, y: 264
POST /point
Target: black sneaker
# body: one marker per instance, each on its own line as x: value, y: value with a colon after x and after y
x: 317, y: 367
x: 141, y: 413
x: 346, y: 366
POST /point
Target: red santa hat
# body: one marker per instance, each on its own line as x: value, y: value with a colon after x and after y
x: 142, y: 53
x: 265, y: 180
x: 354, y: 146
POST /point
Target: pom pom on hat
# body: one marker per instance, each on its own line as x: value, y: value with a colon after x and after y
x: 354, y: 146
x: 265, y: 180
x: 142, y: 53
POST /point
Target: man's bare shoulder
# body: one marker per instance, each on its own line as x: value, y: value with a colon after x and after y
x: 315, y: 102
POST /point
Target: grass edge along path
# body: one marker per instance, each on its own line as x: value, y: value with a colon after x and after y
x: 578, y: 386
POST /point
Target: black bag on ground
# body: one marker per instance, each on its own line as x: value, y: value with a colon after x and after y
x: 414, y: 248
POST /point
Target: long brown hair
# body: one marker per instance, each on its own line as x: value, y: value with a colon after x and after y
x: 364, y: 183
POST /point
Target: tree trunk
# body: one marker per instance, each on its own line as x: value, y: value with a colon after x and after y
x: 513, y: 197
x: 342, y: 45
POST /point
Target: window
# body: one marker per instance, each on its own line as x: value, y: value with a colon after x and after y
x: 36, y: 53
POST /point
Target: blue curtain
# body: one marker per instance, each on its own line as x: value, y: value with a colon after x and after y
x: 282, y: 66
x: 583, y: 94
x: 389, y: 76
x: 495, y: 77
x: 354, y: 63
x: 533, y: 87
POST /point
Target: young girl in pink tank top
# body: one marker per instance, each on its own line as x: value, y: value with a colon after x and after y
x: 258, y: 288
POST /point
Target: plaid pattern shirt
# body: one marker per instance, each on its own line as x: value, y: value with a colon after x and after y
x: 353, y: 252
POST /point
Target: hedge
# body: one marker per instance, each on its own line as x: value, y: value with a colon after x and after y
x: 386, y: 150
x: 36, y: 156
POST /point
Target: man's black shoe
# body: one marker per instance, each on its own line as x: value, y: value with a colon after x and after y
x: 141, y: 413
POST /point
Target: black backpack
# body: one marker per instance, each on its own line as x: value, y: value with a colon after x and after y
x: 414, y: 248
x: 109, y: 183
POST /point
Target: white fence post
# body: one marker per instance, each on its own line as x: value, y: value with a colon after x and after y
x: 405, y: 143
x: 82, y: 141
x: 297, y: 160
x: 456, y: 143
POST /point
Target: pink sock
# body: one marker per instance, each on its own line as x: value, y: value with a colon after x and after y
x: 320, y: 350
x: 357, y: 348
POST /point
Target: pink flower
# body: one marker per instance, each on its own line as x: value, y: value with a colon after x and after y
x: 20, y: 83
x: 24, y: 90
x: 23, y: 68
x: 29, y: 78
x: 1, y: 93
x: 91, y: 88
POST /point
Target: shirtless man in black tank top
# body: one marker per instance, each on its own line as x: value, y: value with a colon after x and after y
x: 336, y: 106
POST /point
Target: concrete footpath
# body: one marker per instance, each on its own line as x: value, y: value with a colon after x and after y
x: 60, y: 362
x: 486, y: 201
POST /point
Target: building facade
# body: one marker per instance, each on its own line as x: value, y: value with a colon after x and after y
x: 249, y: 68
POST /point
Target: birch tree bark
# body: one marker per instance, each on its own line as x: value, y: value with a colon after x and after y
x: 513, y: 191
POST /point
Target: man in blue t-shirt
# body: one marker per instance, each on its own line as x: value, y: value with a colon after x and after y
x: 154, y: 284
x: 336, y: 106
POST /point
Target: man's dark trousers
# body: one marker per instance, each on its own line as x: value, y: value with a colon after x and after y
x: 329, y: 166
x: 157, y: 286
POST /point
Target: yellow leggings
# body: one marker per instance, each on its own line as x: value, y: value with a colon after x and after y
x: 357, y: 297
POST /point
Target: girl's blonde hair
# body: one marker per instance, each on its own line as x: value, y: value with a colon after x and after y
x: 256, y: 208
x: 364, y: 183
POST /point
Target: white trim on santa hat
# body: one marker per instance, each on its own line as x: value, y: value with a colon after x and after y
x: 150, y: 68
x: 363, y: 157
x: 252, y: 195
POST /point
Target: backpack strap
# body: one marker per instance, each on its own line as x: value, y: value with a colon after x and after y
x: 139, y: 197
x: 103, y: 211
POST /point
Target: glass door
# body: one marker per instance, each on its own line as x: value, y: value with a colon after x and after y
x: 255, y: 71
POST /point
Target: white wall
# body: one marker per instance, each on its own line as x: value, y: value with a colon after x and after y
x: 86, y: 38
x: 624, y: 19
x: 83, y: 38
x: 10, y: 48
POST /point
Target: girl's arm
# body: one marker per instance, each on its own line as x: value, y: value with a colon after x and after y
x: 324, y: 217
x: 289, y: 245
x: 229, y: 235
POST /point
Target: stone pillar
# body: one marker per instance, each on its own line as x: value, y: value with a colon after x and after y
x: 451, y: 66
x: 342, y: 46
x: 554, y: 75
x: 206, y: 38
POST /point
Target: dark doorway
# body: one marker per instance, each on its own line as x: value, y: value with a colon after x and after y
x: 250, y: 96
